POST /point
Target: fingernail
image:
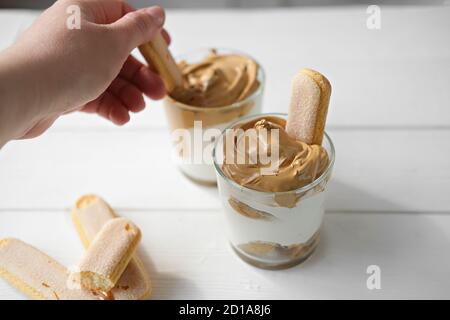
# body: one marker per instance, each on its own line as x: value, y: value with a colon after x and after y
x: 157, y: 13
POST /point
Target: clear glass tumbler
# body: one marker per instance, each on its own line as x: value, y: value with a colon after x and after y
x: 195, y: 129
x: 272, y: 230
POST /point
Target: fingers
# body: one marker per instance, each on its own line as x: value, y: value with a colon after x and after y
x: 119, y: 116
x: 143, y: 78
x: 166, y: 36
x: 109, y: 107
x: 140, y: 26
x: 117, y: 101
x: 130, y: 96
x: 125, y: 92
x: 112, y: 109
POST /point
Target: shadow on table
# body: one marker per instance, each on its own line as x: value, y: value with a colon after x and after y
x: 352, y: 241
x: 167, y: 285
x: 356, y: 237
x: 342, y: 197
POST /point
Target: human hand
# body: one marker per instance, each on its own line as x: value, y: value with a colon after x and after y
x: 88, y: 69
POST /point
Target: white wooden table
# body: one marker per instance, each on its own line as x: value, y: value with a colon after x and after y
x: 388, y: 203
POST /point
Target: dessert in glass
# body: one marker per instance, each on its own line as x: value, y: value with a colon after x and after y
x: 220, y: 87
x: 207, y: 90
x: 272, y: 173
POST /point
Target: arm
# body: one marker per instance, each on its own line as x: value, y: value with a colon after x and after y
x: 52, y: 70
x: 18, y: 110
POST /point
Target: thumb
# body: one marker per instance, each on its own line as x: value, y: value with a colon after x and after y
x: 140, y: 26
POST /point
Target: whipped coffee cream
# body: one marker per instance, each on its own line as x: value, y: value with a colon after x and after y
x: 298, y: 163
x: 218, y: 80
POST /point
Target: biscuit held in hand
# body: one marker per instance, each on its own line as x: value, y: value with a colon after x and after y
x: 157, y: 53
x: 108, y: 255
x: 309, y: 106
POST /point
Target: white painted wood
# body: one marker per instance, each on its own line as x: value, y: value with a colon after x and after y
x: 388, y: 200
x: 187, y: 256
x: 375, y: 170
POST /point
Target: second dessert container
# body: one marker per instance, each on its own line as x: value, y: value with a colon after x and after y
x: 195, y: 129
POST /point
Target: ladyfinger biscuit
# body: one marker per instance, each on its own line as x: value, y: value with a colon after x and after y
x: 89, y: 214
x: 36, y: 274
x: 309, y: 106
x: 157, y: 53
x: 108, y: 255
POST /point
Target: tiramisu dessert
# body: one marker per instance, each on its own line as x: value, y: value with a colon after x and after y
x: 272, y: 172
x: 208, y: 90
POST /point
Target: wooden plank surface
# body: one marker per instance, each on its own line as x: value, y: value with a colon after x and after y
x: 388, y: 200
x: 187, y: 258
x: 375, y: 170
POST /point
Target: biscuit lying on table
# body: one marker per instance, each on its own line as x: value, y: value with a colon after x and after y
x: 89, y: 215
x: 36, y: 274
x: 108, y: 255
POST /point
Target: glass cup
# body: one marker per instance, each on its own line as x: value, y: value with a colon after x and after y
x: 272, y: 230
x: 195, y: 129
